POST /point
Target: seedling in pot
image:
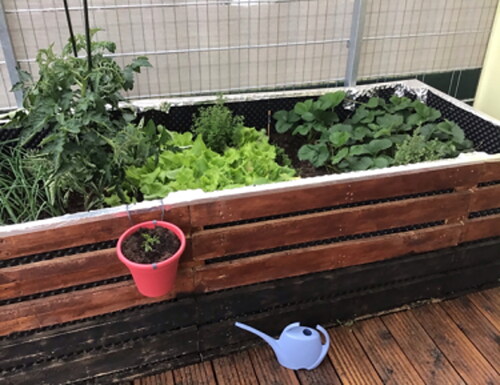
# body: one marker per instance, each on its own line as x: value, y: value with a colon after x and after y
x: 151, y: 251
x: 149, y: 241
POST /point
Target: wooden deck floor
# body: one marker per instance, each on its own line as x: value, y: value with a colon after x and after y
x: 453, y: 342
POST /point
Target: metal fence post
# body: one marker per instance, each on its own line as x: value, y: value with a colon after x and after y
x: 9, y: 55
x: 357, y: 25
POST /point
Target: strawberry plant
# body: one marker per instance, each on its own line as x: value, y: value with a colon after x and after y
x: 378, y: 134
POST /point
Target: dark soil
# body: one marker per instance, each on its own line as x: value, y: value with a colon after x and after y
x: 133, y: 247
x: 291, y: 145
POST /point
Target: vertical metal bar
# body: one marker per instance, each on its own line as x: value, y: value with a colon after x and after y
x: 8, y: 52
x: 357, y: 25
x: 87, y: 33
x: 70, y: 28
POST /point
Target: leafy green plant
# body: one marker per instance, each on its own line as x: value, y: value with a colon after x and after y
x: 88, y: 139
x: 432, y: 142
x: 190, y: 164
x: 24, y: 192
x: 148, y: 241
x: 378, y: 134
x: 217, y: 125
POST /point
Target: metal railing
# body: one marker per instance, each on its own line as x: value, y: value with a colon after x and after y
x: 211, y: 46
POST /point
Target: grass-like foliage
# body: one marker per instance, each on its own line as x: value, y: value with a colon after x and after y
x: 217, y: 125
x: 24, y: 193
x: 87, y: 139
x: 378, y: 134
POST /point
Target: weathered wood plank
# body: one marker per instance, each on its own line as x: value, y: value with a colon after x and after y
x: 263, y: 298
x: 268, y: 370
x: 349, y: 359
x: 82, y: 232
x: 80, y: 304
x: 166, y: 378
x: 98, y: 366
x: 481, y: 228
x: 489, y: 305
x: 459, y: 350
x: 336, y: 305
x: 65, y: 272
x: 58, y: 273
x: 476, y: 327
x: 196, y: 374
x: 235, y: 369
x: 427, y: 359
x: 334, y: 193
x: 485, y: 198
x: 257, y: 298
x: 490, y: 171
x: 325, y: 225
x: 324, y: 374
x: 92, y: 334
x: 320, y: 258
x: 389, y: 360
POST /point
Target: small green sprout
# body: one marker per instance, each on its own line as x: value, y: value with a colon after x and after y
x: 149, y: 241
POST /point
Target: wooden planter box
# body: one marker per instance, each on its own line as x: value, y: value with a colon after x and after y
x: 61, y: 275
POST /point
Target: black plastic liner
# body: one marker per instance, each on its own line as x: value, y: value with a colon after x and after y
x: 485, y: 135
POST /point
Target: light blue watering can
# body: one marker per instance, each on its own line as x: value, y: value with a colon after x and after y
x: 299, y: 347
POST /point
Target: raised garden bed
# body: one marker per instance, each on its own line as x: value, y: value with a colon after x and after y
x: 64, y: 293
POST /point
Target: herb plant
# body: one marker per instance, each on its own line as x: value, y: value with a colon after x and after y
x: 149, y: 241
x: 217, y: 125
x: 87, y: 139
x: 378, y: 134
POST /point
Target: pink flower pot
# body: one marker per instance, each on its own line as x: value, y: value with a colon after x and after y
x: 156, y: 279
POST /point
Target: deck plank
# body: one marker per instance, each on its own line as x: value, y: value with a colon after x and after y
x: 323, y: 375
x: 235, y: 369
x: 450, y: 343
x: 488, y: 302
x: 463, y: 355
x: 476, y: 327
x: 268, y: 370
x: 423, y: 353
x: 387, y: 357
x: 197, y: 374
x: 166, y: 378
x: 350, y: 361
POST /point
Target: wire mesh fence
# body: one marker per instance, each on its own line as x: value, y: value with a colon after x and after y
x: 413, y: 37
x: 213, y: 46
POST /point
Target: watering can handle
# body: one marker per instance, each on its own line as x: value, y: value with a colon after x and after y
x: 325, y: 348
x: 325, y: 334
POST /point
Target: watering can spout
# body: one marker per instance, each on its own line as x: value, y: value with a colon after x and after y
x: 271, y: 341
